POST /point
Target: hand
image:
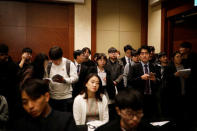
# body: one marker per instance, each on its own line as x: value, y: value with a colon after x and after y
x: 115, y: 83
x: 152, y: 77
x: 145, y: 77
x: 58, y: 78
x: 104, y: 79
x: 177, y: 74
x: 24, y: 56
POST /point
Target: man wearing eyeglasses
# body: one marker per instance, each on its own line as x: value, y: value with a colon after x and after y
x: 129, y: 107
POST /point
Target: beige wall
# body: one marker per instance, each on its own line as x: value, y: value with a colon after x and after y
x: 154, y: 27
x: 82, y: 35
x: 118, y: 24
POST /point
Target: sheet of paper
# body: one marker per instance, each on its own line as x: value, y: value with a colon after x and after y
x: 160, y: 123
x: 184, y: 72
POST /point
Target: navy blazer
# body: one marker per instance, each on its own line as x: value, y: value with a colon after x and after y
x: 135, y: 81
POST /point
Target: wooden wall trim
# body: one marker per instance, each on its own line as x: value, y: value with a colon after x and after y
x: 93, y: 26
x: 180, y: 9
x: 163, y: 28
x: 144, y: 22
x: 71, y: 30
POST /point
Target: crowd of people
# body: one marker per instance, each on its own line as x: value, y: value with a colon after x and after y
x: 54, y: 93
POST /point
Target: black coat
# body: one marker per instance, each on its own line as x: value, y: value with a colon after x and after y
x: 135, y: 81
x: 110, y: 86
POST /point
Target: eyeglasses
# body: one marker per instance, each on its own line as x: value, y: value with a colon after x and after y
x: 130, y: 115
x: 144, y: 53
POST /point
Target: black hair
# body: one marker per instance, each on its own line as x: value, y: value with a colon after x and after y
x: 145, y: 47
x: 38, y: 65
x: 27, y: 50
x: 129, y: 98
x: 127, y: 47
x: 186, y: 44
x: 95, y: 56
x: 86, y: 48
x: 55, y: 53
x: 35, y: 88
x: 100, y: 89
x: 4, y: 48
x: 134, y: 53
x: 100, y: 56
x: 77, y: 53
x: 112, y: 50
x: 162, y: 54
x: 176, y: 52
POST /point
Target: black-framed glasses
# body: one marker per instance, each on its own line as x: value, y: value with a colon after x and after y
x: 131, y: 114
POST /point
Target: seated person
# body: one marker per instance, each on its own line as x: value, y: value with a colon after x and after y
x: 40, y: 116
x: 129, y: 107
x: 91, y: 104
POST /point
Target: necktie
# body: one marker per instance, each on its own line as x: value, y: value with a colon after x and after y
x: 129, y: 61
x: 147, y: 88
x: 78, y: 68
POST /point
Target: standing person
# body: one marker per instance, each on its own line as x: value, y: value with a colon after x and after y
x: 91, y: 104
x: 134, y: 59
x: 87, y: 52
x: 127, y: 58
x: 129, y: 107
x: 116, y: 68
x: 40, y: 116
x: 25, y: 58
x: 62, y: 73
x: 144, y: 77
x: 37, y: 68
x: 8, y: 80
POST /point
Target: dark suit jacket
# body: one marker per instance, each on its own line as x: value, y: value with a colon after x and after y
x: 135, y: 81
x: 110, y: 86
x: 123, y: 60
x: 115, y: 126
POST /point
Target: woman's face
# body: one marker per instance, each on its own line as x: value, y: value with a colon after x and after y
x: 101, y: 62
x: 177, y: 58
x: 93, y: 84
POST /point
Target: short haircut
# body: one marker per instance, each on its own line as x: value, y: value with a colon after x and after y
x: 100, y: 56
x: 4, y: 49
x: 134, y: 53
x: 129, y: 99
x: 176, y: 52
x: 162, y: 54
x: 95, y: 55
x: 86, y: 48
x: 77, y: 53
x: 127, y: 47
x: 112, y: 50
x: 100, y: 89
x: 55, y: 53
x: 35, y: 88
x: 186, y: 44
x: 145, y: 47
x: 27, y: 50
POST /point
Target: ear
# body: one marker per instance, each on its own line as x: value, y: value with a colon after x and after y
x: 117, y: 110
x: 47, y: 96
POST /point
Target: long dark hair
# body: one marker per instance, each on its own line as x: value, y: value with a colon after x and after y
x: 38, y: 65
x: 99, y: 91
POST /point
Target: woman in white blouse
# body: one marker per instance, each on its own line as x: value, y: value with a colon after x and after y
x: 91, y: 104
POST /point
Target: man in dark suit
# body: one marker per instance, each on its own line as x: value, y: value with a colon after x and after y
x: 127, y: 58
x: 129, y: 107
x: 144, y: 77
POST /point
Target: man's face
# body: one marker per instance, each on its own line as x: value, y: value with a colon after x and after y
x: 35, y: 107
x: 112, y: 55
x: 130, y: 118
x: 86, y: 54
x: 57, y: 62
x: 3, y: 57
x: 128, y: 53
x: 144, y: 55
x: 81, y: 58
x: 184, y: 50
x: 163, y: 59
